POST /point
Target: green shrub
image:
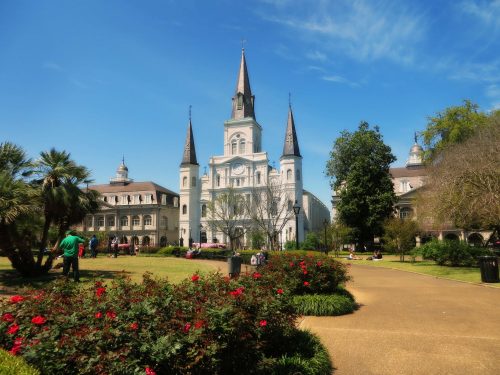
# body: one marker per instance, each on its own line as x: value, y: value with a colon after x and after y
x: 205, y: 325
x: 300, y: 352
x: 309, y: 274
x: 149, y: 249
x: 450, y: 253
x: 323, y: 304
x: 11, y: 365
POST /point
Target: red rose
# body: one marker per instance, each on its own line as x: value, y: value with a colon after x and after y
x: 150, y: 371
x: 98, y: 284
x: 195, y: 277
x: 15, y: 349
x: 187, y: 327
x: 38, y: 320
x: 198, y: 324
x: 16, y: 299
x: 263, y: 323
x: 319, y: 264
x: 237, y: 292
x: 304, y: 272
x: 279, y: 291
x: 7, y: 317
x: 292, y: 264
x: 98, y: 315
x: 100, y: 291
x: 13, y: 329
x: 134, y: 326
x: 256, y: 275
x: 110, y: 314
x: 306, y: 283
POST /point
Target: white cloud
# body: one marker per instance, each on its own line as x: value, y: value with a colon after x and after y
x: 483, y: 72
x: 339, y: 79
x: 486, y: 11
x: 316, y: 55
x: 365, y: 30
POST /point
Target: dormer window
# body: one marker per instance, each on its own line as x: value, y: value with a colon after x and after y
x: 239, y: 104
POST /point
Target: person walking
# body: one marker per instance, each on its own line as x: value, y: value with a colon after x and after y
x: 93, y: 246
x: 69, y: 245
x: 114, y: 246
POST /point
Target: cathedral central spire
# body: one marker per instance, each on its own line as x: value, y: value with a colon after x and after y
x: 243, y: 100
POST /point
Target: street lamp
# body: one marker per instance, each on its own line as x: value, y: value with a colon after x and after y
x: 325, y: 223
x: 296, y: 211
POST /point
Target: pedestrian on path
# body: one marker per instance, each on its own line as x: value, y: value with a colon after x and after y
x: 69, y: 245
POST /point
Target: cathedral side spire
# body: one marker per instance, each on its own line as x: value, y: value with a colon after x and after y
x: 243, y: 100
x: 189, y: 156
x: 291, y: 146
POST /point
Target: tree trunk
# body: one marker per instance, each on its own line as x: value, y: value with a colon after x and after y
x: 43, y: 241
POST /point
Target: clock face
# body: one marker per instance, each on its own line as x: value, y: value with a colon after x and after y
x: 238, y: 168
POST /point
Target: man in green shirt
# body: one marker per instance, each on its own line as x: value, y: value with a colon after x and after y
x: 70, y: 247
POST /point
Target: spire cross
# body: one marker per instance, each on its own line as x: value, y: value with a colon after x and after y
x: 415, y: 137
x: 243, y: 41
x: 123, y: 159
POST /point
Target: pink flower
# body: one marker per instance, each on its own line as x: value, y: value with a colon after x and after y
x: 292, y: 264
x: 237, y: 292
x: 195, y: 277
x: 134, y: 326
x: 198, y: 324
x: 306, y: 283
x: 7, y: 317
x: 98, y: 315
x: 279, y: 291
x: 111, y: 314
x: 256, y: 275
x: 16, y: 299
x: 13, y: 329
x: 150, y: 371
x: 263, y: 323
x: 100, y: 291
x: 187, y: 327
x: 38, y: 320
x: 319, y: 264
x: 304, y: 272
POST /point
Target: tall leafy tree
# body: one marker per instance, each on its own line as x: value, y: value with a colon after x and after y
x: 359, y: 173
x: 452, y: 126
x: 30, y: 207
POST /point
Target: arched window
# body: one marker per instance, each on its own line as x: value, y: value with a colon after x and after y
x: 123, y: 239
x: 184, y: 209
x: 242, y: 146
x: 136, y: 221
x: 258, y: 178
x: 240, y: 101
x: 145, y: 241
x: 475, y: 239
x: 193, y: 181
x: 148, y: 220
x: 288, y: 174
x: 184, y: 181
x: 100, y: 221
x: 111, y: 221
x: 204, y: 210
x: 297, y: 175
x: 233, y: 148
x: 163, y: 241
x: 217, y: 179
x: 164, y: 222
x: 124, y: 221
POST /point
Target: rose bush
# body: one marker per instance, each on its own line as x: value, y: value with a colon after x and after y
x: 206, y: 324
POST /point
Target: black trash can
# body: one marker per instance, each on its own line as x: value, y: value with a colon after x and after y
x: 234, y: 265
x: 489, y: 269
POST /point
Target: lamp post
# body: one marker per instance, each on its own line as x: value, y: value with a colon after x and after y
x: 296, y: 211
x: 325, y: 223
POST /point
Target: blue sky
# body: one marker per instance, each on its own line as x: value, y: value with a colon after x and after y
x: 102, y: 79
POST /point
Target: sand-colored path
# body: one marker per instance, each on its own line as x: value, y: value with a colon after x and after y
x: 413, y: 324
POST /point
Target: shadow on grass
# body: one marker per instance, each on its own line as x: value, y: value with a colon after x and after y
x: 11, y: 282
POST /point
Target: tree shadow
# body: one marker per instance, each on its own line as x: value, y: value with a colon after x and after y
x: 12, y: 282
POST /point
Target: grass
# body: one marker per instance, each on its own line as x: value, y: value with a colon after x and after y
x: 175, y: 269
x: 427, y: 267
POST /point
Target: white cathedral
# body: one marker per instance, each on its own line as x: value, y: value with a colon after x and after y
x: 244, y: 167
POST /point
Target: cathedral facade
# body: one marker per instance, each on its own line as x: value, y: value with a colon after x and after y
x: 245, y: 168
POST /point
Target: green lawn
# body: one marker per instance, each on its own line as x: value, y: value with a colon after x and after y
x: 175, y: 269
x: 427, y: 267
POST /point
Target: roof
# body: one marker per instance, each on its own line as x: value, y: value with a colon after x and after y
x: 189, y: 155
x: 131, y: 187
x: 246, y: 109
x: 408, y: 172
x: 291, y: 145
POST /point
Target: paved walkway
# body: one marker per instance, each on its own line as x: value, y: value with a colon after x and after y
x: 413, y: 324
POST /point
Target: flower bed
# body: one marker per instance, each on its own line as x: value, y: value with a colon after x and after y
x: 206, y: 324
